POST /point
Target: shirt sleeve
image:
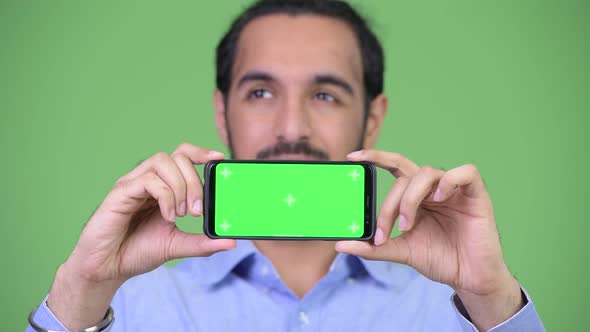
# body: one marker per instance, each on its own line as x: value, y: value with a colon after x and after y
x: 526, y: 319
x: 46, y: 319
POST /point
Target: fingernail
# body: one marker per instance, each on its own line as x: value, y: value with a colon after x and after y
x: 172, y: 216
x: 379, y: 237
x: 403, y: 223
x: 437, y: 195
x: 198, y: 206
x: 182, y: 208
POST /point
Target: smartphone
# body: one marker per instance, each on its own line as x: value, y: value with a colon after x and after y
x: 289, y: 200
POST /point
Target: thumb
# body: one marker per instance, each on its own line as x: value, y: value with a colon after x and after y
x: 394, y: 250
x: 184, y: 245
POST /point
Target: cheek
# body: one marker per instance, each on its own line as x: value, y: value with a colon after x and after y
x: 249, y: 134
x: 339, y: 134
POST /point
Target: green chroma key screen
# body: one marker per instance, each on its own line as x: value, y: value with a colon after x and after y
x: 290, y: 200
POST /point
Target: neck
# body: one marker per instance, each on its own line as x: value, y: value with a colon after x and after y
x: 300, y: 264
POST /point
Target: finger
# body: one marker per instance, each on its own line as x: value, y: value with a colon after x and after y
x: 466, y: 177
x: 162, y: 192
x: 163, y: 165
x: 393, y: 250
x: 137, y: 190
x: 421, y: 186
x: 390, y: 210
x: 184, y: 245
x: 194, y: 186
x: 395, y: 163
x: 168, y: 171
x: 198, y: 155
x: 143, y: 167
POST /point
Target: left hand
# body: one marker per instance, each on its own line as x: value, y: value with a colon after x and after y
x: 449, y: 230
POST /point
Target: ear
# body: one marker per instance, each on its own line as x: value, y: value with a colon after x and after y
x: 377, y: 112
x: 220, y: 123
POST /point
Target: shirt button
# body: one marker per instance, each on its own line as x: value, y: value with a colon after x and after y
x: 350, y: 281
x: 264, y: 270
x: 303, y: 318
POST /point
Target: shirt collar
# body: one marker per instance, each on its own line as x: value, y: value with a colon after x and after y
x: 387, y: 273
x: 213, y: 269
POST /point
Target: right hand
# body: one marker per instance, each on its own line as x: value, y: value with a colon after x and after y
x: 134, y: 231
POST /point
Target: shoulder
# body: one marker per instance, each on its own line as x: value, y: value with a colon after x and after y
x: 163, y: 279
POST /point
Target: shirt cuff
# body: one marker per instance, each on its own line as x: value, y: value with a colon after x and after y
x: 526, y: 319
x: 46, y: 319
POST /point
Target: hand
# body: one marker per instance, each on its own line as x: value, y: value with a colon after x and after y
x: 132, y: 232
x: 134, y: 229
x: 449, y: 234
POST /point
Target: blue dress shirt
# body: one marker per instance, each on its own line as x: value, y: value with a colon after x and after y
x: 239, y: 290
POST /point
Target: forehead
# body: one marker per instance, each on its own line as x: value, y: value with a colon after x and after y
x: 298, y: 47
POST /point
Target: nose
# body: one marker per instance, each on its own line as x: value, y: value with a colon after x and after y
x: 293, y: 121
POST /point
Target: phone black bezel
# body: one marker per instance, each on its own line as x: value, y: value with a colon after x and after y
x: 209, y: 200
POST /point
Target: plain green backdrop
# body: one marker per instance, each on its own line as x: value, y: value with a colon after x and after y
x: 89, y: 88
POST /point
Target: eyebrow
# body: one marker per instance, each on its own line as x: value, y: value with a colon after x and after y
x: 334, y: 80
x: 255, y: 76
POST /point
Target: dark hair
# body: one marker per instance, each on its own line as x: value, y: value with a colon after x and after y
x: 371, y: 50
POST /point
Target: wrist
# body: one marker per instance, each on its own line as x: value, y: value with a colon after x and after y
x: 79, y: 302
x: 489, y: 309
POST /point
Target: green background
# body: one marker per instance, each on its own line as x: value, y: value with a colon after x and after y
x: 88, y: 89
x: 325, y: 200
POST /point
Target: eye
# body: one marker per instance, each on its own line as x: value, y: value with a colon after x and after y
x: 260, y: 94
x: 323, y: 96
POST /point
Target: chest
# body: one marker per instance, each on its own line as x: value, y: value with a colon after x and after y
x: 350, y: 305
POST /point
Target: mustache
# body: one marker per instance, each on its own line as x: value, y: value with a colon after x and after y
x: 299, y: 147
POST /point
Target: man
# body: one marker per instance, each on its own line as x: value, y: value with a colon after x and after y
x: 295, y: 80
